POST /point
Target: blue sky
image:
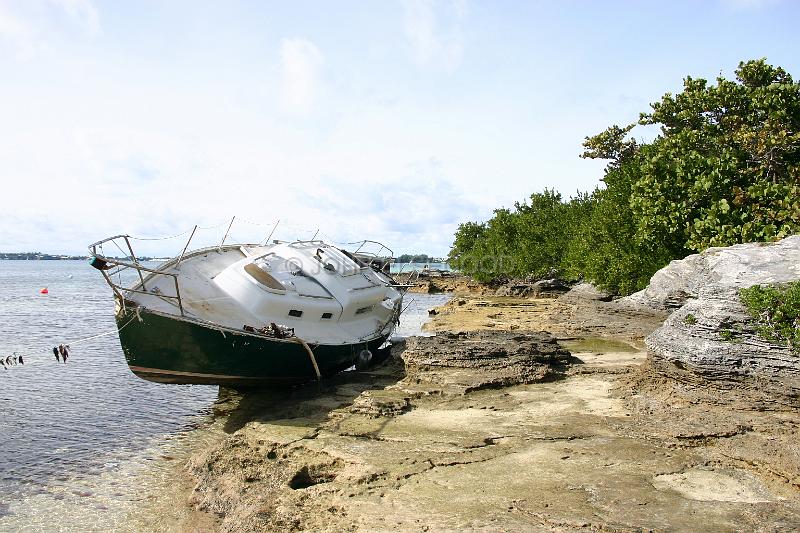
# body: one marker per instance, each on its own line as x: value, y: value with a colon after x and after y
x: 390, y: 120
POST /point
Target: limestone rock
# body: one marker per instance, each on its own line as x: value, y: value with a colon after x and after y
x: 585, y: 291
x: 715, y: 337
x: 720, y: 273
x: 537, y: 289
x: 484, y: 359
x: 711, y: 332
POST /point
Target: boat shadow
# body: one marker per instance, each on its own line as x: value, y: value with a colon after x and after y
x: 306, y: 405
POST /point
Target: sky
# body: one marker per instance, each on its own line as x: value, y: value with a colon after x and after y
x: 386, y: 120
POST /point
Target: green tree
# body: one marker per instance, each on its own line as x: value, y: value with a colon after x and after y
x: 530, y: 240
x: 605, y: 251
x: 726, y: 167
x: 466, y: 238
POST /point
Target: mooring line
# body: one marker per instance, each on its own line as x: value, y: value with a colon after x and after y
x: 111, y: 332
x: 27, y: 354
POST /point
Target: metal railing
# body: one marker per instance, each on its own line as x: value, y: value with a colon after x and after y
x: 112, y: 266
x: 379, y: 259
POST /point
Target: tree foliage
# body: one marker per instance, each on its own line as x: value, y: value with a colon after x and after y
x: 416, y: 258
x: 530, y: 240
x: 724, y: 169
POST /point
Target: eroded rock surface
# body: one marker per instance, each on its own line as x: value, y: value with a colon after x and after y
x: 542, y: 288
x: 711, y: 332
x: 563, y: 317
x: 588, y: 442
x: 585, y: 292
x: 448, y: 282
x: 720, y: 272
x: 479, y: 360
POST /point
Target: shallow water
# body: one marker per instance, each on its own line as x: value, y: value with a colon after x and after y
x: 67, y: 430
x: 415, y: 312
x: 79, y: 442
x: 397, y: 268
x: 598, y: 345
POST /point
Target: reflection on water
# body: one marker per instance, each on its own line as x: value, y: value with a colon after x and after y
x: 86, y: 444
x: 416, y: 312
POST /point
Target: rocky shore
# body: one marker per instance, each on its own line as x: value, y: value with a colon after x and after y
x: 522, y: 413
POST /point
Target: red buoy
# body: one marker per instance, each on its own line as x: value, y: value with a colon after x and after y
x: 43, y: 290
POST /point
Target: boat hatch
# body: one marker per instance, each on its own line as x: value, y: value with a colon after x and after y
x: 263, y: 277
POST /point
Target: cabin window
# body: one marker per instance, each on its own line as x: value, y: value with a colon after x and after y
x: 327, y: 315
x: 362, y: 310
x: 296, y: 313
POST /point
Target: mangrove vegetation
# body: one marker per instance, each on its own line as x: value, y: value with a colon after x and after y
x: 723, y: 169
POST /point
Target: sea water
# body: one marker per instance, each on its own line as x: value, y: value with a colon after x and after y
x: 79, y: 441
x: 397, y: 268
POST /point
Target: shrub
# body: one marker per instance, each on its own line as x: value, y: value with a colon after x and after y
x: 776, y: 311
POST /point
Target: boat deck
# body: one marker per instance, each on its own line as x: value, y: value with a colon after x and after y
x: 204, y: 300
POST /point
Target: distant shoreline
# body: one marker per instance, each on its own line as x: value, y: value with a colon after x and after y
x: 36, y: 256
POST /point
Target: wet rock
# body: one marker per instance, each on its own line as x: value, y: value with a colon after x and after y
x: 542, y: 288
x: 550, y: 287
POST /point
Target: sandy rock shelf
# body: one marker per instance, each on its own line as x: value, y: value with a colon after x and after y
x: 523, y: 414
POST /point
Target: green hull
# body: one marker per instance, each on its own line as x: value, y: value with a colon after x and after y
x: 172, y: 350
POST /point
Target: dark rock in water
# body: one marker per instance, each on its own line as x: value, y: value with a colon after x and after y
x: 711, y: 332
x: 585, y: 291
x: 536, y: 289
x: 550, y: 286
x: 485, y: 359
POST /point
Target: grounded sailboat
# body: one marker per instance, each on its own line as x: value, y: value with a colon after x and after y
x: 253, y: 314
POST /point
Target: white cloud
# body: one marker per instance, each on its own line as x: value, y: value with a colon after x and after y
x: 17, y: 34
x: 26, y: 28
x: 82, y: 11
x: 415, y: 212
x: 301, y: 62
x: 433, y: 32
